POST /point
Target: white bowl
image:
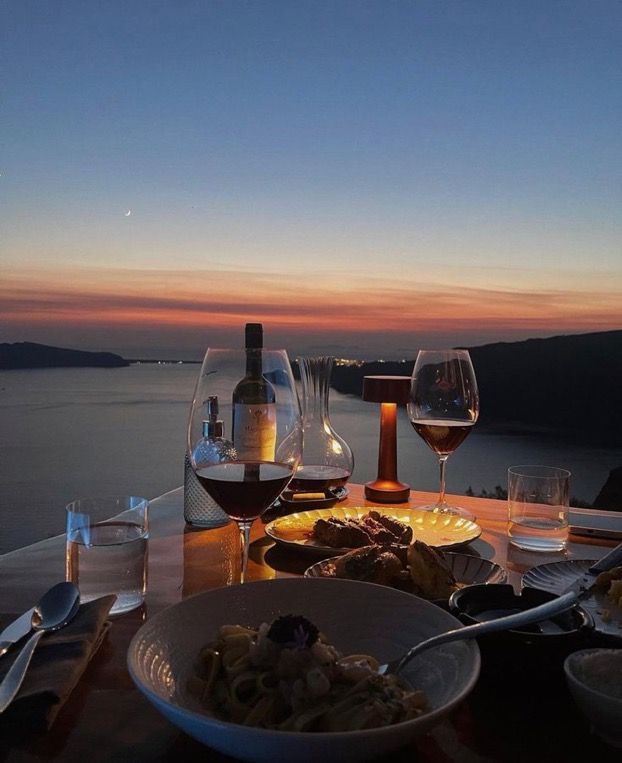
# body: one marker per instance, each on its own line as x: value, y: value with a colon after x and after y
x: 356, y: 617
x: 588, y: 673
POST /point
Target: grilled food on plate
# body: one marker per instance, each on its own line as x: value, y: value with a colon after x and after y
x: 419, y: 569
x: 371, y: 528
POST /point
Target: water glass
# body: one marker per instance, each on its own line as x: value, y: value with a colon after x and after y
x: 108, y: 556
x: 538, y: 507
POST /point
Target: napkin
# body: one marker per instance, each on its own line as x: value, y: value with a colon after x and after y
x: 56, y: 667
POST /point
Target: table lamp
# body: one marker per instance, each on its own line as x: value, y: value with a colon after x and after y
x: 389, y: 391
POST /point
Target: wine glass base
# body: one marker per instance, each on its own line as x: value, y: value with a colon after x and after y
x: 454, y: 510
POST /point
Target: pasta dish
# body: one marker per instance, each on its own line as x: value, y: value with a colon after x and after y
x: 286, y: 676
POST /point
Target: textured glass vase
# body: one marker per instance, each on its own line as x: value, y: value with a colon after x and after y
x: 200, y: 509
x: 327, y: 459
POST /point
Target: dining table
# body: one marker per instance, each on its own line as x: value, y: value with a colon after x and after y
x: 513, y: 714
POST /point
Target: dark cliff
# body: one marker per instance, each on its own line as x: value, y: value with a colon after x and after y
x: 569, y: 385
x: 32, y: 355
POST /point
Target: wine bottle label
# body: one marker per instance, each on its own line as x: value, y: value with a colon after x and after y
x: 254, y: 431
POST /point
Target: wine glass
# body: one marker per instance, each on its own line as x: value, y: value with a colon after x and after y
x: 259, y: 443
x: 443, y: 407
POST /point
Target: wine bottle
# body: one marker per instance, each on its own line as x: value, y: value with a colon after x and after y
x: 254, y: 406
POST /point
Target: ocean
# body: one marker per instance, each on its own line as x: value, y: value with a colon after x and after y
x: 70, y: 433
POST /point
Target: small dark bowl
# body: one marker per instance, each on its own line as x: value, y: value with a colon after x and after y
x: 541, y: 646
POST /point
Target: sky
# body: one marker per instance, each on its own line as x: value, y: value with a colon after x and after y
x: 365, y: 178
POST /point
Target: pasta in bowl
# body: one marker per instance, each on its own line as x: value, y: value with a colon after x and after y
x: 358, y: 618
x: 287, y: 676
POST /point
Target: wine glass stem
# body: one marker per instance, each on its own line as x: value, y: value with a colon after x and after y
x: 245, y: 539
x: 441, y: 503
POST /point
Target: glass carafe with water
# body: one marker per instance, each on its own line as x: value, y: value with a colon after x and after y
x: 327, y: 459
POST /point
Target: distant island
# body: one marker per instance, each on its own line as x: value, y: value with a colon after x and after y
x: 32, y: 355
x: 567, y: 385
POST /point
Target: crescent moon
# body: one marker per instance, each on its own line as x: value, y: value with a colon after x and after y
x: 128, y: 213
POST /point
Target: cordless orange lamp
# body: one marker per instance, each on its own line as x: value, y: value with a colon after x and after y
x: 389, y: 391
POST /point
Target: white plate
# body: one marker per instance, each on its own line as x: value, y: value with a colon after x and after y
x: 557, y: 576
x: 438, y: 530
x: 467, y: 569
x: 356, y: 617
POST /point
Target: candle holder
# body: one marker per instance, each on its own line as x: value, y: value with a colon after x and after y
x: 389, y: 391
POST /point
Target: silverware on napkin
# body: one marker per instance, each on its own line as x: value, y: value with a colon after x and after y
x: 56, y: 608
x: 16, y: 631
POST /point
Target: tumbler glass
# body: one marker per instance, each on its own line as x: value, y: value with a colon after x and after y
x: 538, y: 507
x: 108, y: 556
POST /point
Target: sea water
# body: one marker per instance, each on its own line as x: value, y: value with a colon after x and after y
x: 51, y: 419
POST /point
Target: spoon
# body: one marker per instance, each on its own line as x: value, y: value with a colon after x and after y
x: 528, y: 616
x: 56, y: 608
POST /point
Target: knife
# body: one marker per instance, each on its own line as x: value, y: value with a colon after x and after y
x: 583, y: 585
x: 580, y: 589
x: 16, y: 631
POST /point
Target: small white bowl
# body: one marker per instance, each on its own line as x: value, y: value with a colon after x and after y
x: 591, y: 675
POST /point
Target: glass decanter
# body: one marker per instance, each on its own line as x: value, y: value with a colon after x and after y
x: 327, y: 459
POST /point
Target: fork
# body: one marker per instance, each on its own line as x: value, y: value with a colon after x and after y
x: 532, y: 615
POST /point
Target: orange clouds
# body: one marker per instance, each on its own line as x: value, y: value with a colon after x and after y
x: 152, y: 299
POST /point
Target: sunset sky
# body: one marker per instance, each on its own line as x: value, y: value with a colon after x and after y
x: 366, y: 178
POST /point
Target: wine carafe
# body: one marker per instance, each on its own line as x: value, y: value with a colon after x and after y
x: 327, y: 460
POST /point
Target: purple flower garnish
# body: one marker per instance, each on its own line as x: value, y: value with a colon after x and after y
x: 293, y: 631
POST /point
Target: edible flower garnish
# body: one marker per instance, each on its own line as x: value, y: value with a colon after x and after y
x: 294, y: 631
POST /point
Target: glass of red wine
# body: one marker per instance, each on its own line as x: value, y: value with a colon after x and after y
x: 246, y: 458
x: 443, y: 407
